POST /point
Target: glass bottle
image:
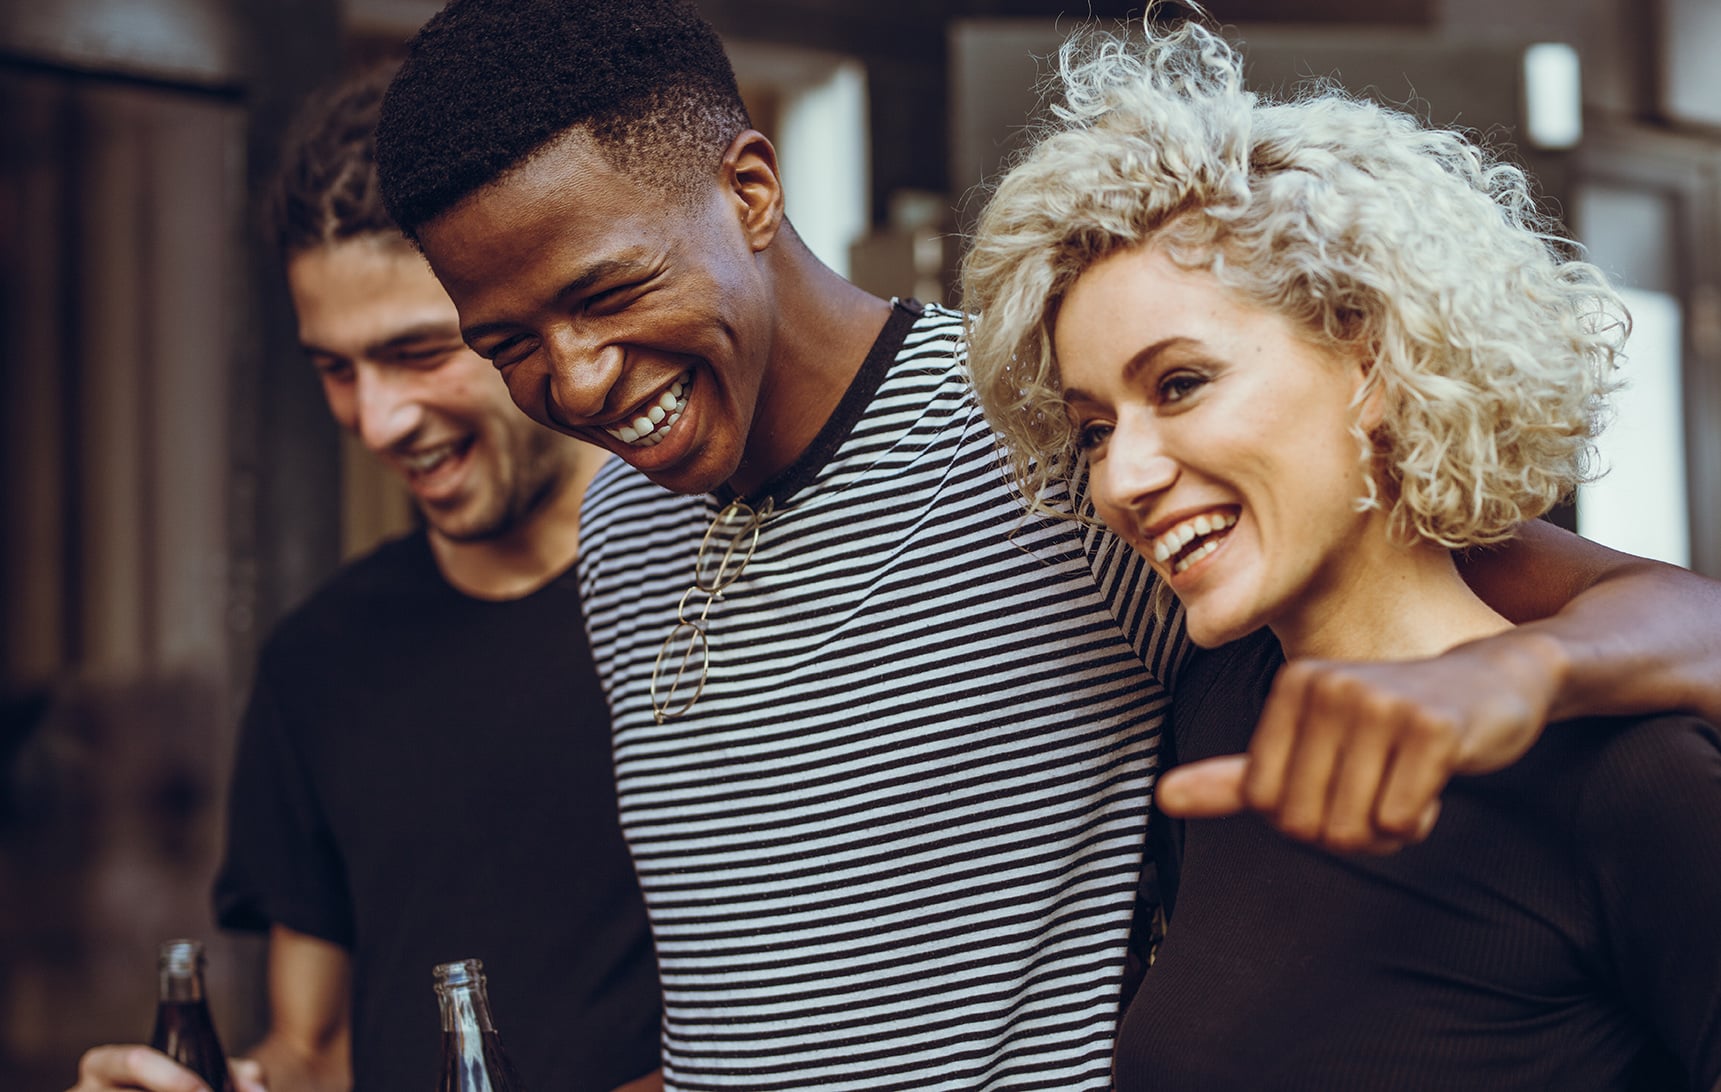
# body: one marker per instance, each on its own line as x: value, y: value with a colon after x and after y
x: 472, y: 1055
x: 183, y: 1028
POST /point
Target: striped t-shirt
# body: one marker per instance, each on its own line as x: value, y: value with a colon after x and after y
x: 896, y: 841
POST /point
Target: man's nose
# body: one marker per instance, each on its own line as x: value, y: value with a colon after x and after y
x: 581, y: 380
x: 388, y: 411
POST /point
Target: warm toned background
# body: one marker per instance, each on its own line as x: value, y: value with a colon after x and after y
x: 170, y: 482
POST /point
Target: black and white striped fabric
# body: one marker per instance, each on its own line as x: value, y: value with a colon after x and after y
x: 895, y: 844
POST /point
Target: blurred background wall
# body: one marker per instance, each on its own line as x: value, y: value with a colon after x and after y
x: 170, y: 483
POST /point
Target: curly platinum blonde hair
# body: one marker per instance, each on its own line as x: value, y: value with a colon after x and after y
x: 1491, y: 350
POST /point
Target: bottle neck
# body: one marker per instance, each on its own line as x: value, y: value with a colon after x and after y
x: 465, y: 1008
x: 181, y: 971
x: 472, y: 1058
x: 465, y: 1027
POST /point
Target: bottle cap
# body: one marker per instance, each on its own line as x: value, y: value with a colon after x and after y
x: 181, y: 957
x: 463, y: 972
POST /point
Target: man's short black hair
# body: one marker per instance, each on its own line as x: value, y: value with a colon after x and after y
x: 487, y: 83
x: 325, y: 189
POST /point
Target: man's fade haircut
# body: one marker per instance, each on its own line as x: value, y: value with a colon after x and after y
x: 489, y: 83
x: 325, y: 188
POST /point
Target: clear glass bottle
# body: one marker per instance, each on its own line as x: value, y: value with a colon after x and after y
x: 183, y: 1028
x: 472, y: 1055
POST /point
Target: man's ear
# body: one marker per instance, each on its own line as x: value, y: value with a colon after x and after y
x: 750, y: 175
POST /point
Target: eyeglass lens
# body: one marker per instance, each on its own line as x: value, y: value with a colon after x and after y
x: 727, y: 547
x: 724, y: 551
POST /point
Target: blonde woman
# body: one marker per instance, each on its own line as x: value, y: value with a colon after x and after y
x: 1304, y: 354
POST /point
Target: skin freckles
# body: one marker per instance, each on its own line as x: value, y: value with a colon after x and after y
x: 1202, y: 409
x: 1223, y: 444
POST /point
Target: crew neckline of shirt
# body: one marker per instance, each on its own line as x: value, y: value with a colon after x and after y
x: 425, y: 555
x: 904, y: 313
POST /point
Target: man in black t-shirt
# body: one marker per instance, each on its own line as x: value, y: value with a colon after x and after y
x: 423, y: 772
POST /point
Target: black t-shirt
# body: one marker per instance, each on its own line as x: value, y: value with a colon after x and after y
x: 1561, y: 927
x: 423, y: 777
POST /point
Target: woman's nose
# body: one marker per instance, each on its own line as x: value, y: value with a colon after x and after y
x: 1135, y: 472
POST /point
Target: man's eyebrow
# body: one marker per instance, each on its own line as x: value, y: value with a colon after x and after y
x: 593, y: 274
x: 599, y: 271
x: 412, y: 335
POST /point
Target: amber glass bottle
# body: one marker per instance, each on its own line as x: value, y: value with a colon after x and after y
x: 472, y: 1055
x: 183, y: 1029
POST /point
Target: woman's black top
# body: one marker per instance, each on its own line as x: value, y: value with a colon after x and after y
x: 1560, y: 928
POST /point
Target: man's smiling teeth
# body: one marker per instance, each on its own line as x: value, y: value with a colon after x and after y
x: 652, y: 425
x: 1169, y: 543
x: 423, y: 462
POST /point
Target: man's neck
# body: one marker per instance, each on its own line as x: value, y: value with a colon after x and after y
x: 824, y: 328
x: 535, y: 551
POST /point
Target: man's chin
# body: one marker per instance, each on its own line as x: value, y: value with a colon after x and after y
x: 687, y: 485
x: 690, y: 477
x: 466, y: 526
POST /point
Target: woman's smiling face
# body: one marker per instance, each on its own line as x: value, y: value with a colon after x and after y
x: 1219, y: 438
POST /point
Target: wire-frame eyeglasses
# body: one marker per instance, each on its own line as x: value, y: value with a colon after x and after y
x: 724, y: 551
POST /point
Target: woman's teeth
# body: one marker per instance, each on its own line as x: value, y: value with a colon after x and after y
x: 651, y: 426
x: 1172, y: 543
x: 1194, y: 555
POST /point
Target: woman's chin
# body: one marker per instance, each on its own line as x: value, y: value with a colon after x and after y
x: 1210, y: 629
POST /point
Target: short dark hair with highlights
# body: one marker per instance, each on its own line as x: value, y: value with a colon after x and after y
x: 488, y: 83
x: 325, y: 189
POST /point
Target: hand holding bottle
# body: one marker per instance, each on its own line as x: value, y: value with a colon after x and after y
x: 134, y: 1067
x: 185, y: 1053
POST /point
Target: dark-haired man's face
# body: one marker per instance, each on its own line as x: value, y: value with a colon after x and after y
x: 617, y: 314
x: 385, y: 340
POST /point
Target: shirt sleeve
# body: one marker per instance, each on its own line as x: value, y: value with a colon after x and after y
x: 1150, y: 616
x: 1651, y: 827
x: 281, y: 864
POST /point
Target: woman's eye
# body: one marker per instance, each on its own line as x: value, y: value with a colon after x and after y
x: 1091, y: 436
x: 1179, y: 385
